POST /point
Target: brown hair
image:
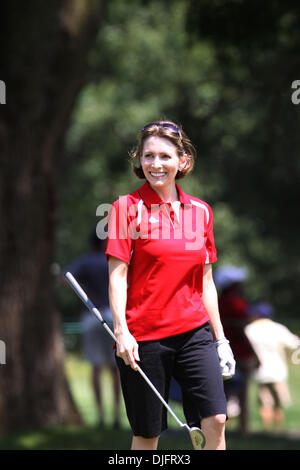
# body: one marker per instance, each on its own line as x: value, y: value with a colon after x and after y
x: 168, y: 130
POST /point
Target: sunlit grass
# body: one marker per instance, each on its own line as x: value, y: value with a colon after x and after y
x: 92, y: 436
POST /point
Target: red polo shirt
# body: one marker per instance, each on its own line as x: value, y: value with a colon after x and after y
x: 166, y: 246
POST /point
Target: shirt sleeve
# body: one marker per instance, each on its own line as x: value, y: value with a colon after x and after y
x: 211, y: 252
x: 119, y: 241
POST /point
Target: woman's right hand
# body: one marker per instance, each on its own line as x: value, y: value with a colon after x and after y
x: 127, y: 348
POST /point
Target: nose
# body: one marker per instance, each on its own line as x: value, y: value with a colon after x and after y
x: 156, y: 163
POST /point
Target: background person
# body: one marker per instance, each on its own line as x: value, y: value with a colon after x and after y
x: 162, y: 293
x: 233, y: 307
x: 271, y: 340
x: 91, y: 271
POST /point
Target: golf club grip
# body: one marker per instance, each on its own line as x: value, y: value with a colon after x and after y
x: 89, y: 304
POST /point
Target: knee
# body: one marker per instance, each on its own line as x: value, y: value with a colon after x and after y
x: 142, y: 443
x: 214, y: 430
x: 220, y: 420
x: 216, y: 422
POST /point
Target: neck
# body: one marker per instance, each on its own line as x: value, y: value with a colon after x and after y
x: 168, y: 194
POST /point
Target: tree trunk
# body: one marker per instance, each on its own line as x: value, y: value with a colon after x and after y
x: 43, y: 56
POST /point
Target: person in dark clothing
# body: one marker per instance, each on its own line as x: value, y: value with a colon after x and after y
x: 91, y: 270
x: 233, y: 307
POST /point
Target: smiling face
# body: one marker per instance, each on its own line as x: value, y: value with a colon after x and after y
x: 160, y: 162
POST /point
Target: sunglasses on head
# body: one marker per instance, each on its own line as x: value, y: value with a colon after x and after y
x: 165, y: 125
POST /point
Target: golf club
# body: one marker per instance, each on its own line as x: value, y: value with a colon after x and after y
x: 197, y: 436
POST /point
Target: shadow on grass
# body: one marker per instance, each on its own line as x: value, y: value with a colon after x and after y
x: 264, y: 441
x: 63, y: 438
x: 89, y: 438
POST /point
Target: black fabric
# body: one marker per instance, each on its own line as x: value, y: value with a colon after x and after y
x: 191, y: 358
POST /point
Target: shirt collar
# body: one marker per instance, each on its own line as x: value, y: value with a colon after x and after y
x: 150, y: 196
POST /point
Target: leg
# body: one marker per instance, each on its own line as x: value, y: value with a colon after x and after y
x: 278, y: 416
x: 267, y: 415
x: 117, y: 395
x: 214, y: 430
x: 145, y: 412
x: 281, y: 398
x: 96, y: 370
x: 199, y: 374
x: 141, y: 443
x: 243, y: 400
x: 266, y: 402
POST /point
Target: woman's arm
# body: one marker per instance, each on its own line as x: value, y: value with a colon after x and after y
x: 210, y: 301
x: 127, y: 347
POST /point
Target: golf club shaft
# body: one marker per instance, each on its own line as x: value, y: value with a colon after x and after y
x: 89, y: 304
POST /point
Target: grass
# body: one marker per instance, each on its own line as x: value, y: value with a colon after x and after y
x: 93, y: 437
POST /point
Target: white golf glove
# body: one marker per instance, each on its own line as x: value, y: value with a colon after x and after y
x: 227, y: 362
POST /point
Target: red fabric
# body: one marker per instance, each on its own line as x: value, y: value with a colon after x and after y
x: 166, y: 256
x: 233, y: 311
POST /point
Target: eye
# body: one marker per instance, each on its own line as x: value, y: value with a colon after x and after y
x: 165, y: 157
x: 148, y: 156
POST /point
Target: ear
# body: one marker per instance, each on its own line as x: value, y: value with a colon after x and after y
x: 183, y: 161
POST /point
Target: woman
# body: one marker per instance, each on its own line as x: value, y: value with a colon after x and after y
x: 163, y: 299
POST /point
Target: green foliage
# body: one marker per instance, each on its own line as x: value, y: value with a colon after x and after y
x: 224, y: 71
x: 256, y: 132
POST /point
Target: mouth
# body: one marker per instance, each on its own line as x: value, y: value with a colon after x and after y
x: 157, y: 175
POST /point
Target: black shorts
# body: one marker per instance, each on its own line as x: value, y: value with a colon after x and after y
x: 191, y: 358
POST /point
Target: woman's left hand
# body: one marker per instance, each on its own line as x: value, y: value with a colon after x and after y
x: 227, y: 362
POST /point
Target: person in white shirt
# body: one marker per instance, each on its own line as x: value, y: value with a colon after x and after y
x: 270, y: 340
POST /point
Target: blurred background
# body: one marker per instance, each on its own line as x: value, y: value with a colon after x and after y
x: 82, y: 78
